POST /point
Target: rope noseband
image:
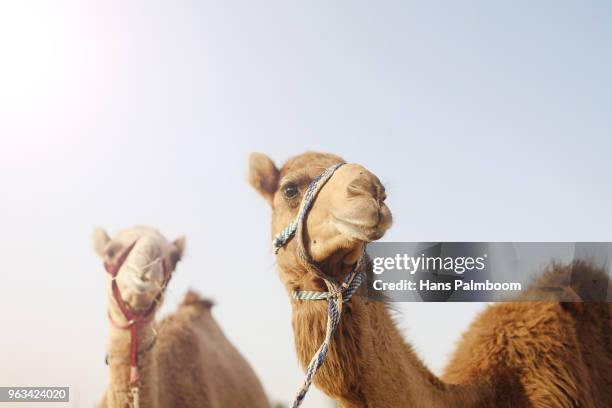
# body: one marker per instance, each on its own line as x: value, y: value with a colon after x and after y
x: 337, y: 293
x: 134, y: 320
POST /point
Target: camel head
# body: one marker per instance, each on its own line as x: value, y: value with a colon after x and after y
x: 150, y: 260
x: 348, y: 212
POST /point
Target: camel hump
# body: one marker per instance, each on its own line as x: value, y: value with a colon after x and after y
x: 193, y: 298
x: 588, y: 281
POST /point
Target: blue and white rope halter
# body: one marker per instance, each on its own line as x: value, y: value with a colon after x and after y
x: 313, y: 188
x: 337, y: 293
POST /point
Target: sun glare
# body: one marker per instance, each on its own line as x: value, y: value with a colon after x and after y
x: 45, y: 70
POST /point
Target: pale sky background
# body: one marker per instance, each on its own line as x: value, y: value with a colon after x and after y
x: 486, y: 120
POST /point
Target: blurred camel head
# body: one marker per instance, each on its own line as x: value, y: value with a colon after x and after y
x: 149, y: 260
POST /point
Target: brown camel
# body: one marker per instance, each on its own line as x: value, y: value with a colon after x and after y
x: 183, y: 361
x: 539, y: 354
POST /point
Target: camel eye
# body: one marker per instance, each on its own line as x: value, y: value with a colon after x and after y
x: 290, y: 190
x: 112, y: 250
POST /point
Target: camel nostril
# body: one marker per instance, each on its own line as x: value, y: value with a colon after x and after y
x: 361, y: 186
x: 354, y: 190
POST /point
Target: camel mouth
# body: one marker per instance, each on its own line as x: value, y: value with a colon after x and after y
x: 138, y: 292
x: 139, y: 301
x: 141, y: 285
x: 362, y: 230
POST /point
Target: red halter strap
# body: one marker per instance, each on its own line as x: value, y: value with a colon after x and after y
x: 133, y: 319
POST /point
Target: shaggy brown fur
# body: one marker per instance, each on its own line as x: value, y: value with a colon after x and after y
x: 521, y: 354
x: 189, y: 363
x: 192, y: 364
x: 561, y: 352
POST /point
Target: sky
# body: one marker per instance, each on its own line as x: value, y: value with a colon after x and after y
x: 487, y: 121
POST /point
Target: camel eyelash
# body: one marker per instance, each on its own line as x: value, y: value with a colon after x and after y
x: 293, y: 187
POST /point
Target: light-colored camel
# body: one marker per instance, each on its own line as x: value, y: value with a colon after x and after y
x: 545, y: 354
x: 183, y: 361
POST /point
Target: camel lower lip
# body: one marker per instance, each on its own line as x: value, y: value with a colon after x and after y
x: 358, y: 231
x: 367, y: 224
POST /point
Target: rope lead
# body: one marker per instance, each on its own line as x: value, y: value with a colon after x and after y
x: 136, y: 396
x: 336, y: 297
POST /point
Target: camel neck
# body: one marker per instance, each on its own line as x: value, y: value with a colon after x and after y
x: 118, y: 357
x: 369, y: 363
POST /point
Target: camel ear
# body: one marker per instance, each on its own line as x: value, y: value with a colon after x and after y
x: 263, y: 176
x: 178, y: 250
x: 100, y: 239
